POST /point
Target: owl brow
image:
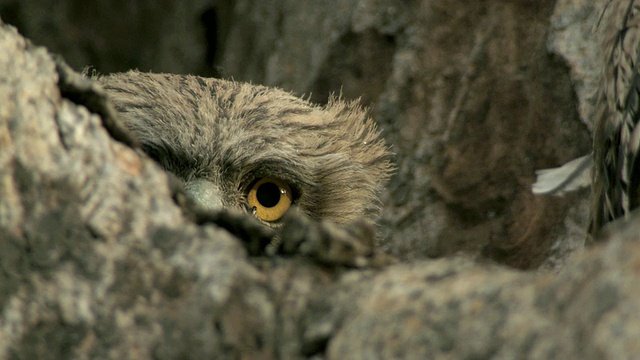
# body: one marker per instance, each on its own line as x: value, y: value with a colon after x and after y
x: 175, y: 161
x: 284, y: 169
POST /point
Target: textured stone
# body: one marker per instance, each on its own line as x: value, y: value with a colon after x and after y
x: 97, y: 261
x: 575, y: 36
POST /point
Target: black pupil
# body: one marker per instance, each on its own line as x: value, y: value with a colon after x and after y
x: 268, y: 194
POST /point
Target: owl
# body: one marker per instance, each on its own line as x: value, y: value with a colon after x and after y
x: 255, y: 149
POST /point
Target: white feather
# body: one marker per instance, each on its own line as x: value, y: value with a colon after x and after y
x: 573, y: 175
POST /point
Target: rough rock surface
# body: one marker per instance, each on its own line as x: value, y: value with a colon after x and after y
x: 474, y: 97
x: 98, y: 261
x: 95, y: 259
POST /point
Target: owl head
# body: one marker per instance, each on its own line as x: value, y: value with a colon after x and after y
x: 256, y: 149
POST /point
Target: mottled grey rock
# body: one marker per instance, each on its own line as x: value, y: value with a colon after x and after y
x: 456, y: 309
x: 97, y: 261
x: 575, y: 36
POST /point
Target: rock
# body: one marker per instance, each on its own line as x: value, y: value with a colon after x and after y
x: 575, y: 36
x: 108, y: 36
x: 456, y: 309
x: 94, y: 252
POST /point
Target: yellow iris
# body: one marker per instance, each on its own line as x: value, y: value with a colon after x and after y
x: 270, y: 198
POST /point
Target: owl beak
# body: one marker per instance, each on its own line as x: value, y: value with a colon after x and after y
x: 204, y: 194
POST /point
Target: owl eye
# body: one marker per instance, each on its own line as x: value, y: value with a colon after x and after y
x: 270, y: 198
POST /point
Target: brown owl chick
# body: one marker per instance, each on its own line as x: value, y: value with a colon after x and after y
x: 254, y: 148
